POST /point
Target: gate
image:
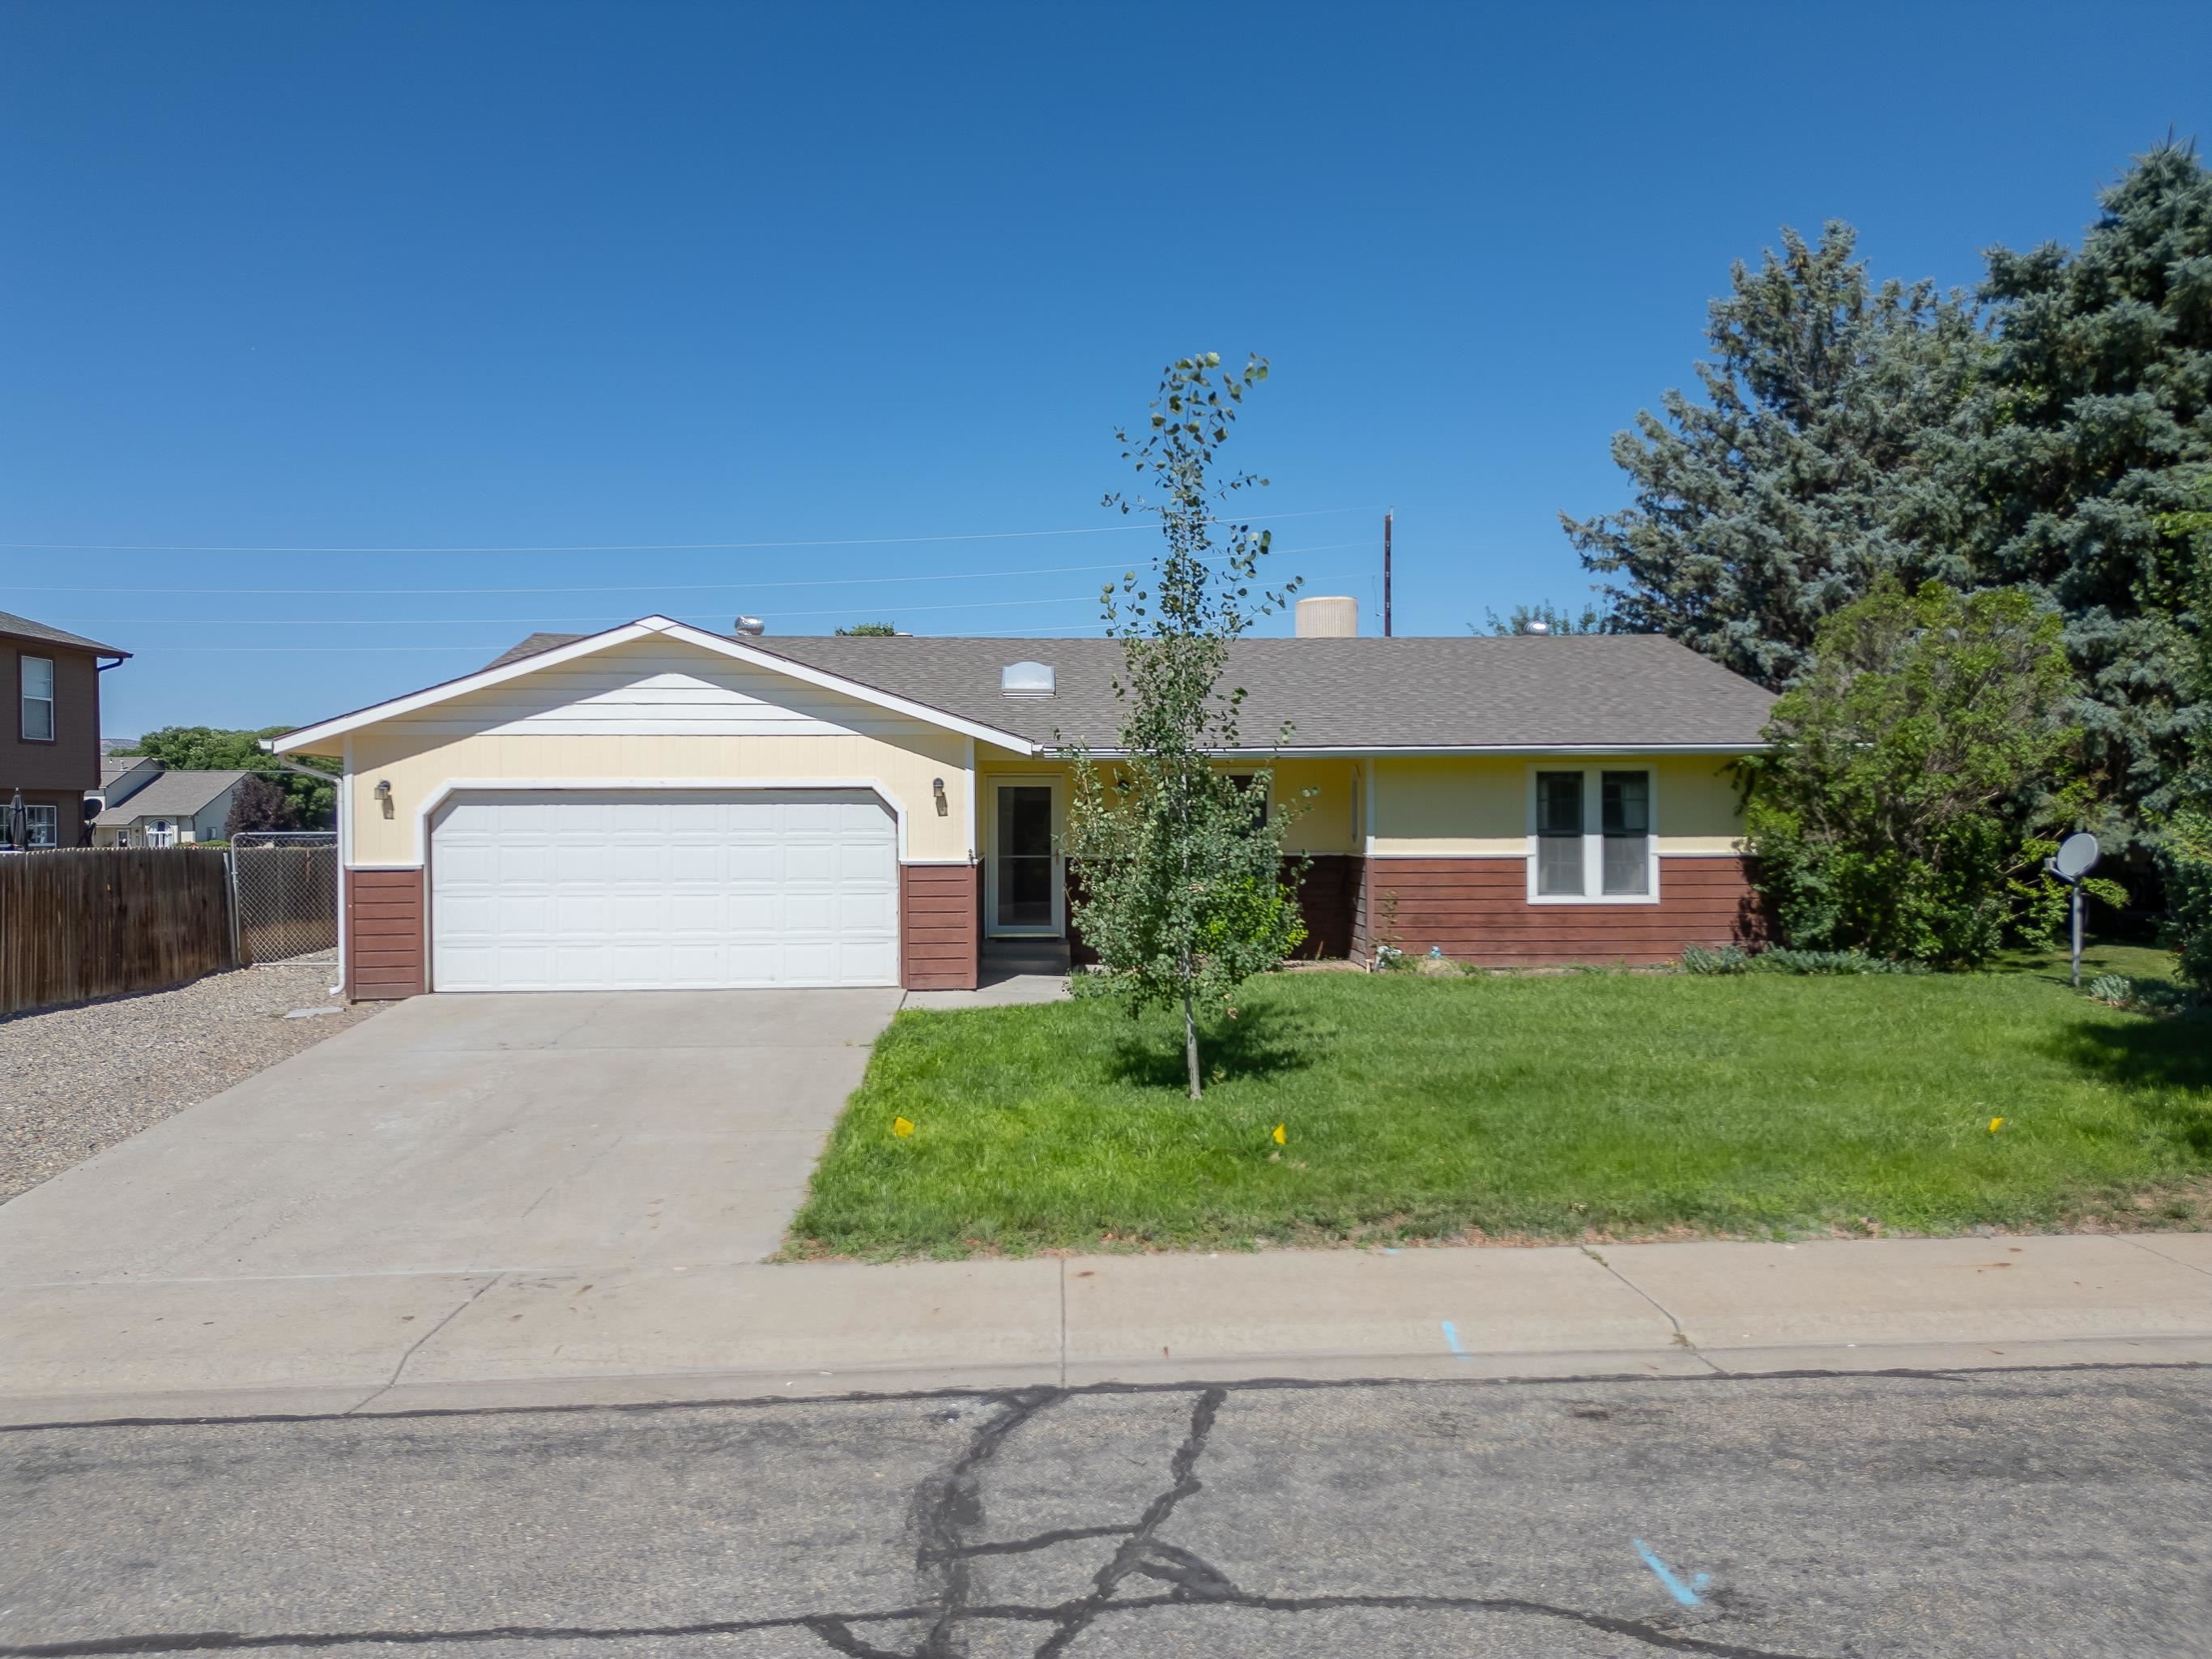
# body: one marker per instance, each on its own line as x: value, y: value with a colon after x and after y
x: 284, y: 886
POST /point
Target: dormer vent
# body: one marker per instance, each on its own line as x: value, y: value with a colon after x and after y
x: 1025, y: 679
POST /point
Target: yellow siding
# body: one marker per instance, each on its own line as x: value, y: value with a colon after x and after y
x: 1444, y: 805
x: 1698, y: 809
x: 1325, y: 821
x: 418, y: 765
x: 1461, y: 806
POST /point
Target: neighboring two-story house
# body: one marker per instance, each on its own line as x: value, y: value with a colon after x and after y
x: 50, y: 743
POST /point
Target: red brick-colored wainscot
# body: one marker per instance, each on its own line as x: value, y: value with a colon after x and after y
x: 384, y: 934
x: 1478, y: 910
x: 939, y: 927
x: 1329, y: 897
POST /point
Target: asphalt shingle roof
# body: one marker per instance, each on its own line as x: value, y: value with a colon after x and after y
x: 23, y: 628
x: 171, y: 795
x: 1507, y: 691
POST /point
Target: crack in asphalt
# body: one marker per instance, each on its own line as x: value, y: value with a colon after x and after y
x: 1043, y: 1541
x: 943, y: 1512
x: 1136, y: 1553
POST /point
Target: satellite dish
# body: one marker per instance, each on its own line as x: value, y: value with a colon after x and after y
x: 2077, y: 856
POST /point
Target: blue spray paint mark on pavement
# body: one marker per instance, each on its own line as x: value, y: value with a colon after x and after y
x: 1675, y: 1588
x: 1451, y: 1339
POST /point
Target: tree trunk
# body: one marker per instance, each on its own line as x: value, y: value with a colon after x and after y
x: 1190, y: 1044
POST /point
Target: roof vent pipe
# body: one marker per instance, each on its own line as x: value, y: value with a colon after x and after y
x: 752, y: 625
x: 1025, y: 679
x: 1330, y: 616
x: 1535, y: 628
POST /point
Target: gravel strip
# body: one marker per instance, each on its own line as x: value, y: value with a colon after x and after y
x: 74, y: 1080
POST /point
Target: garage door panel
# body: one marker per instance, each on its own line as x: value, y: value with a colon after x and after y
x: 587, y: 890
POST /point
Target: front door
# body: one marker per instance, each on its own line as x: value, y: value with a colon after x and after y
x: 1025, y: 894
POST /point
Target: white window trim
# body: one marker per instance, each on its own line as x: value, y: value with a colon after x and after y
x: 1058, y: 927
x: 1594, y: 836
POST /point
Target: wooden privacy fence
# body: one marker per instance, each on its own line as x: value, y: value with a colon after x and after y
x: 98, y: 923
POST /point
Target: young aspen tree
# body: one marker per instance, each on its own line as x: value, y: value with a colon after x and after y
x: 1178, y: 875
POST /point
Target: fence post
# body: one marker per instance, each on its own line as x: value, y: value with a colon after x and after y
x: 230, y: 892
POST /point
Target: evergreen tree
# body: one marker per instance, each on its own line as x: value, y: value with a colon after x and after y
x: 2085, y: 447
x: 1800, y: 477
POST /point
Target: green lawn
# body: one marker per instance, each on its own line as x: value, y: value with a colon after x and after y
x: 1529, y: 1107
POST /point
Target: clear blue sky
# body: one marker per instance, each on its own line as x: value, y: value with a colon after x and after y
x: 324, y: 277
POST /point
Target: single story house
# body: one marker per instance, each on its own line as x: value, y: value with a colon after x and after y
x: 658, y: 805
x: 172, y: 808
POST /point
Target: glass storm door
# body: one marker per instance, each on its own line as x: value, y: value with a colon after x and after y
x: 1025, y: 884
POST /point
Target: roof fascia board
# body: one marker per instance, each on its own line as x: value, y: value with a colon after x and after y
x: 644, y: 628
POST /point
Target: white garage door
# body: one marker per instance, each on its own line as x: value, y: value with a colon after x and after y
x: 570, y: 891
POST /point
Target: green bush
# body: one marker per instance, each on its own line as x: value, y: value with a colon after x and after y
x: 1734, y: 959
x: 1729, y: 959
x: 1913, y: 776
x: 2184, y: 860
x: 1787, y: 960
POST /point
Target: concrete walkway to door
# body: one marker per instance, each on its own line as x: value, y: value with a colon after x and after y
x: 462, y: 1135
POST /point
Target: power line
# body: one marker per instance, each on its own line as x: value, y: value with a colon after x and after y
x: 657, y: 547
x: 646, y: 587
x: 598, y: 620
x: 494, y: 649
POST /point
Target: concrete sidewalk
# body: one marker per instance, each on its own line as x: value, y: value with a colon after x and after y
x: 104, y: 1348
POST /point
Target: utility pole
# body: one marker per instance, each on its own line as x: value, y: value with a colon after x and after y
x: 1386, y: 575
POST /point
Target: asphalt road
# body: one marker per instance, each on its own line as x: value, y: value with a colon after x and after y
x: 2002, y: 1514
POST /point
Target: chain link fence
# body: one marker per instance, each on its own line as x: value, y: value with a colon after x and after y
x: 284, y: 887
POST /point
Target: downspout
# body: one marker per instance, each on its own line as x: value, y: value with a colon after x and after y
x: 345, y: 864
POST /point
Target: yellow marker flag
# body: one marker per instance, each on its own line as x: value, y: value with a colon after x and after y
x: 1278, y: 1134
x: 1996, y: 1123
x: 901, y: 1127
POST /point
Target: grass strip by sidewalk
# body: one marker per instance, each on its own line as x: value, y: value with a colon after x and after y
x: 1538, y: 1108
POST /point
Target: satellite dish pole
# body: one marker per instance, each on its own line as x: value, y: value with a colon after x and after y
x: 2077, y: 856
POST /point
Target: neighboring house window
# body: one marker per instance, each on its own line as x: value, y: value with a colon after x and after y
x: 160, y: 833
x: 38, y: 699
x: 41, y: 826
x: 1591, y: 834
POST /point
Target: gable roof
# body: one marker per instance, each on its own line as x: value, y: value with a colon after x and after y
x: 23, y: 628
x: 1508, y: 692
x: 568, y: 647
x: 169, y: 794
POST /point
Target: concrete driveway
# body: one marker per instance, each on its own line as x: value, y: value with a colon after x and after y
x: 473, y: 1135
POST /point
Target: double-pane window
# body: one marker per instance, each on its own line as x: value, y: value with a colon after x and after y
x: 1593, y: 834
x: 38, y: 699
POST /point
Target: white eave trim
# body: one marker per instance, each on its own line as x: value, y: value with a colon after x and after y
x: 309, y: 736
